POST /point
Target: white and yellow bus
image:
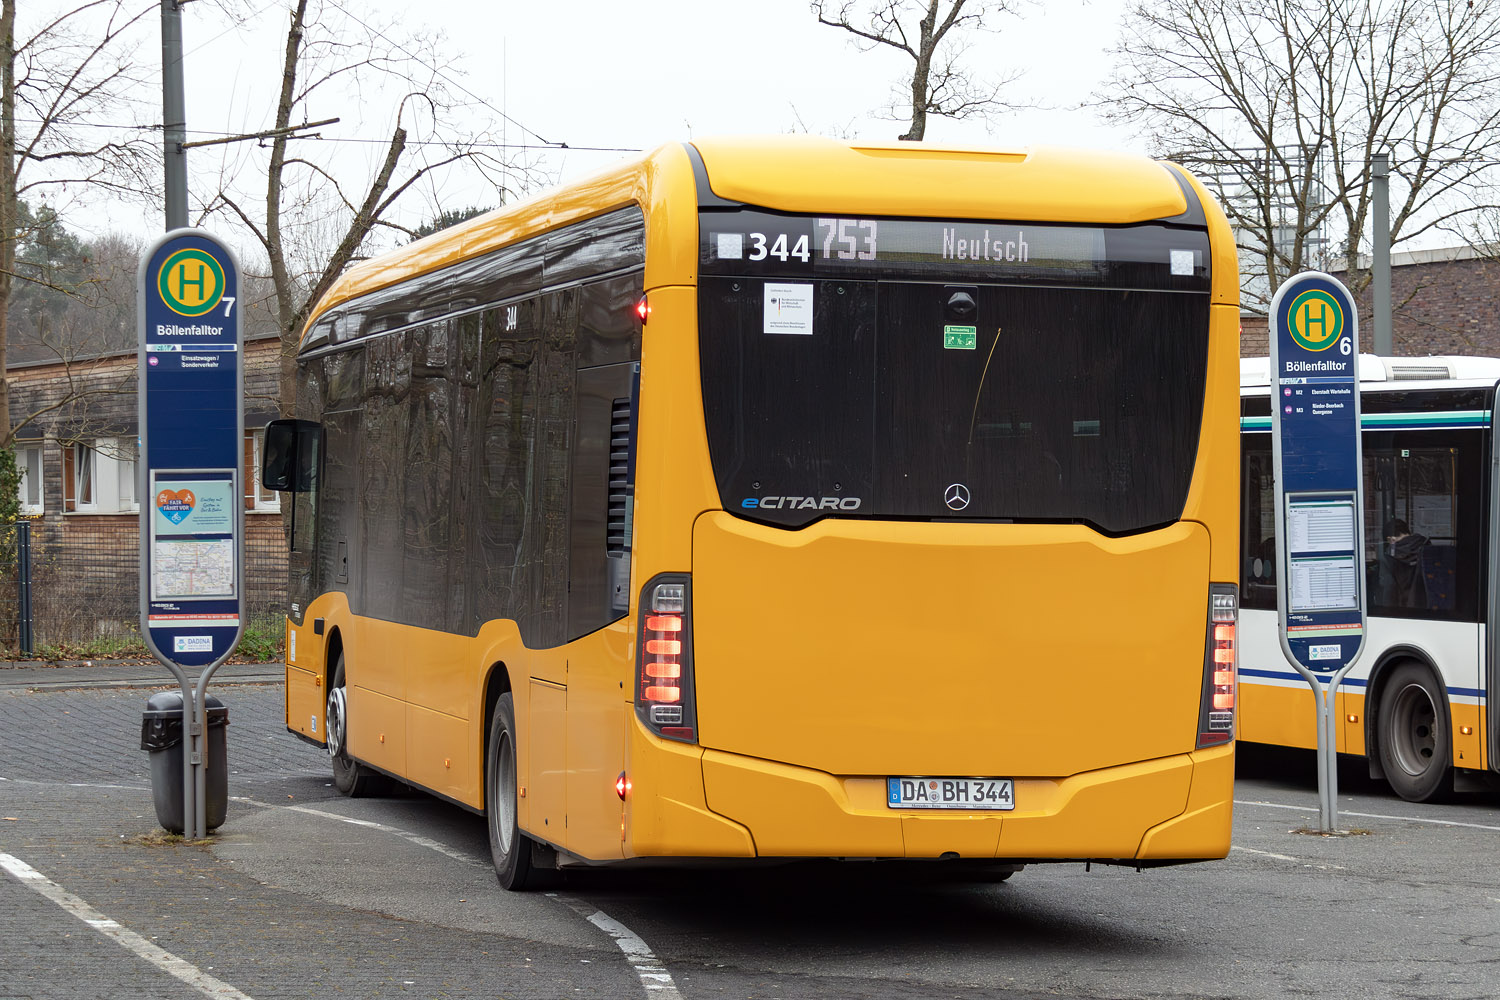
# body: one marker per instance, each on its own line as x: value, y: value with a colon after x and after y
x: 1415, y: 702
x: 785, y: 498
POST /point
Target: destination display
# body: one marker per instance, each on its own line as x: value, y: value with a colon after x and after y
x: 755, y: 242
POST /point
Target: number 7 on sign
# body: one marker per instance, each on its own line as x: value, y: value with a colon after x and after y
x: 228, y: 305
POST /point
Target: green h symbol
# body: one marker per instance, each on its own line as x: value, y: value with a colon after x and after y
x: 1320, y: 320
x: 183, y: 281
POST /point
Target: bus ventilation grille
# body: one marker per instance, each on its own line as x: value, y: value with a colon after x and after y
x: 617, y: 529
x: 1407, y: 373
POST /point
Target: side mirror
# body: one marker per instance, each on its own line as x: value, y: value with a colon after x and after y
x: 289, y: 460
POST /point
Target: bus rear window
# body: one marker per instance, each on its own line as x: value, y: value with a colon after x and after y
x: 924, y: 400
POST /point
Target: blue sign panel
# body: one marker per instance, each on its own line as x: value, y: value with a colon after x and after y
x: 1319, y: 489
x: 191, y: 406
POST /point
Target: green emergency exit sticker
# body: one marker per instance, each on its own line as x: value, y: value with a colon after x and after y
x: 960, y: 338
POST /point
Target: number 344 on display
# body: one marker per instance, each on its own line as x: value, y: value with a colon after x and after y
x: 841, y: 239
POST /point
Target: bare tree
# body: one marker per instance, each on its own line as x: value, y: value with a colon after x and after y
x: 70, y: 72
x: 73, y: 317
x: 1280, y: 104
x: 313, y: 225
x: 930, y: 34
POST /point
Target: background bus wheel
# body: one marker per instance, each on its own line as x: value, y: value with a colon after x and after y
x: 509, y: 847
x: 1416, y: 745
x: 349, y: 776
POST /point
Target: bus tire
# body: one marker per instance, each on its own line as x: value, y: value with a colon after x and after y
x: 510, y: 849
x: 1416, y: 739
x: 349, y: 776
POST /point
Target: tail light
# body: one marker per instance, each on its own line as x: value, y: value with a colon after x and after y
x: 664, y: 681
x: 1220, y: 659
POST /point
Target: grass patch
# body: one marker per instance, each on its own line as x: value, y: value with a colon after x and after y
x: 1313, y: 832
x: 160, y: 838
x: 105, y: 647
x: 261, y: 643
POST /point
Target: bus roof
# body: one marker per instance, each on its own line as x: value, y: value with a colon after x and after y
x: 1256, y: 372
x: 802, y: 173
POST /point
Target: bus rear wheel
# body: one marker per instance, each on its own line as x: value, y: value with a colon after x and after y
x: 510, y: 849
x: 1416, y: 743
x: 349, y: 775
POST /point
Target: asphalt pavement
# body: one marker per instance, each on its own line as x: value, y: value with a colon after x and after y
x: 305, y: 893
x: 77, y: 810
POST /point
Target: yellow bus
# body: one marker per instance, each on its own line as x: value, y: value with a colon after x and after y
x: 770, y: 498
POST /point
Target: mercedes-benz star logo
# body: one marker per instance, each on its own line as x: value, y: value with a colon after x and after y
x: 957, y: 496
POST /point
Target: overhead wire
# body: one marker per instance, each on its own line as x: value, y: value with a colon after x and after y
x: 544, y: 144
x: 438, y: 72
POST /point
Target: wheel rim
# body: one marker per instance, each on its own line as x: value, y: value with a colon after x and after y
x: 1414, y: 730
x: 503, y: 808
x: 335, y: 722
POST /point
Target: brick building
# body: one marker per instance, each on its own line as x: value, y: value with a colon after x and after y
x: 1442, y: 302
x: 77, y: 454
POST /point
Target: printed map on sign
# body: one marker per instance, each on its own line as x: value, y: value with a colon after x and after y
x: 193, y: 568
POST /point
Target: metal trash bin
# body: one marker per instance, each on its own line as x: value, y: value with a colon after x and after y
x: 161, y: 733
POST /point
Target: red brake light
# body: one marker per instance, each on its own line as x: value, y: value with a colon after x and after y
x: 664, y: 687
x: 622, y: 785
x: 643, y: 310
x: 1216, y: 713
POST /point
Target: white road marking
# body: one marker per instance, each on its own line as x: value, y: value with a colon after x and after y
x: 655, y: 978
x: 1365, y: 815
x: 125, y: 938
x: 418, y: 839
x: 76, y: 784
x: 1266, y: 854
x: 1287, y: 857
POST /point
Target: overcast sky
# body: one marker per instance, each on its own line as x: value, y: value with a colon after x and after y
x: 602, y: 77
x: 629, y: 75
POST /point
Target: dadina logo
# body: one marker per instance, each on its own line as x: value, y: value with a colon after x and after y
x: 1315, y: 320
x: 176, y: 505
x: 191, y: 282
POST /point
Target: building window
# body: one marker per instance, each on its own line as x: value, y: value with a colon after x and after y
x: 99, y: 476
x: 124, y: 457
x: 78, y: 477
x: 257, y: 497
x: 29, y: 463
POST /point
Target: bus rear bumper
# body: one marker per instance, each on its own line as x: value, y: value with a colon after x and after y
x: 1173, y: 808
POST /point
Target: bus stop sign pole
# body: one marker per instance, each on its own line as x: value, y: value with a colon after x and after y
x: 191, y: 417
x: 1320, y: 547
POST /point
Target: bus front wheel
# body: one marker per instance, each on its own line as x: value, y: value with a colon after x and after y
x: 1416, y: 744
x: 509, y: 847
x: 349, y: 775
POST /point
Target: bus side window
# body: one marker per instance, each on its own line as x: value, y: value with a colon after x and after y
x: 504, y: 518
x: 1421, y: 531
x: 1258, y: 528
